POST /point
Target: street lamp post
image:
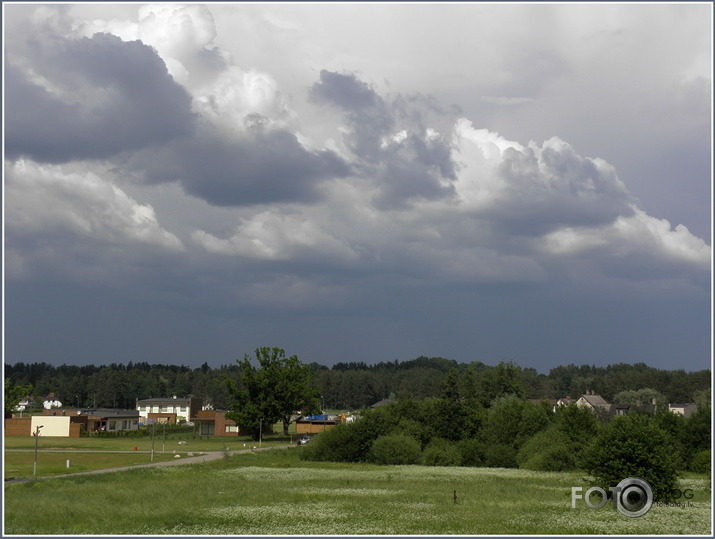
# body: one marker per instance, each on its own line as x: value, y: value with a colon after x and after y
x: 36, y: 434
x: 260, y: 432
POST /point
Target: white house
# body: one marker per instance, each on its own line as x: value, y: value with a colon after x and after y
x: 184, y: 408
x: 685, y: 410
x: 51, y: 401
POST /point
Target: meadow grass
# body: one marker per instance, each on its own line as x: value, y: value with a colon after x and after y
x: 274, y: 493
x: 204, y: 443
x: 20, y: 465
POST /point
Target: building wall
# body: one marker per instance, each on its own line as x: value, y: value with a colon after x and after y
x: 51, y: 425
x: 183, y: 408
x: 163, y: 418
x: 306, y: 427
x: 18, y: 427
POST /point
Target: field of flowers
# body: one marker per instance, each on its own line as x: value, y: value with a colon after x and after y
x: 274, y: 493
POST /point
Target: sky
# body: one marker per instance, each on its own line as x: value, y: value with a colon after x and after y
x: 184, y: 183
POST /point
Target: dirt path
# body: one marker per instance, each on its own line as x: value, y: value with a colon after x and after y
x: 206, y: 456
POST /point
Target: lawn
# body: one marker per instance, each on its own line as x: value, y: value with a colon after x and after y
x: 19, y: 465
x: 274, y: 493
x: 198, y: 443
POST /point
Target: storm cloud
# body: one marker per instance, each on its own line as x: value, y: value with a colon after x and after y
x: 92, y: 98
x: 189, y: 182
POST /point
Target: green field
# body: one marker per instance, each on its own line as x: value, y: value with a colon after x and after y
x: 19, y: 465
x: 275, y: 493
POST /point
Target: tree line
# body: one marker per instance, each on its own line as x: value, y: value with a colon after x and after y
x: 355, y: 385
x: 456, y: 429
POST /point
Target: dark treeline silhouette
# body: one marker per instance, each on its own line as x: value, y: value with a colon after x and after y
x: 356, y: 384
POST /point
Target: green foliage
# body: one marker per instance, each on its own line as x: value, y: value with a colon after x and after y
x: 472, y: 452
x: 350, y: 442
x: 511, y: 421
x: 500, y: 456
x: 395, y: 449
x: 440, y: 452
x: 550, y: 450
x: 633, y: 446
x: 645, y: 395
x: 701, y: 462
x: 271, y: 392
x: 14, y: 393
x: 500, y: 381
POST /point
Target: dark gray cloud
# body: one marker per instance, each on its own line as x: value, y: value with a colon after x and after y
x: 255, y: 168
x: 557, y: 188
x: 390, y: 140
x: 100, y: 96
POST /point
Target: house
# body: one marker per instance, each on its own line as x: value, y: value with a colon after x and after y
x: 51, y: 401
x: 62, y: 426
x: 24, y: 404
x: 99, y: 419
x: 382, y: 402
x: 625, y: 409
x: 182, y: 408
x: 215, y: 423
x: 685, y: 410
x: 316, y: 423
x: 593, y: 402
x: 103, y: 419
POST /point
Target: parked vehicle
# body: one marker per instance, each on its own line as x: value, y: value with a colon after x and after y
x: 304, y: 440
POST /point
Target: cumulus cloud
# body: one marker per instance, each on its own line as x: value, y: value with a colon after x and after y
x: 272, y: 235
x: 47, y: 201
x: 392, y: 146
x: 91, y: 98
x: 535, y: 189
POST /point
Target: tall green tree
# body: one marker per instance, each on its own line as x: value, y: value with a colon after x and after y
x: 14, y: 393
x: 271, y: 391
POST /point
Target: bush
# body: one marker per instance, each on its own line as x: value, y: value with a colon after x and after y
x: 395, y: 449
x: 472, y: 452
x: 633, y: 446
x: 547, y: 451
x: 701, y: 462
x: 440, y: 452
x: 349, y: 442
x: 500, y: 456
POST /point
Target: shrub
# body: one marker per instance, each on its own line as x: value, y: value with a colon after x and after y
x: 701, y: 462
x: 349, y: 442
x: 547, y: 451
x: 500, y: 456
x: 472, y: 452
x: 633, y: 446
x: 395, y: 449
x: 440, y: 452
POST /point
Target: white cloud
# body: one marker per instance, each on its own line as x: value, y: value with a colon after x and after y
x: 275, y: 235
x: 44, y: 199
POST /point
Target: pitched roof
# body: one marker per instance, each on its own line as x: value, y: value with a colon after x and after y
x: 596, y: 400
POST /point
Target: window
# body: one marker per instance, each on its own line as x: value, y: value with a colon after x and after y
x: 231, y: 428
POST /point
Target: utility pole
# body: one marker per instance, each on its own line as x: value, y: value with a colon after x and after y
x: 152, y: 441
x: 36, y: 434
x: 163, y: 438
x: 260, y: 432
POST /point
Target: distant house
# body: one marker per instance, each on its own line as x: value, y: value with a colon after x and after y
x: 593, y: 402
x: 625, y: 409
x: 182, y: 408
x: 69, y: 422
x: 51, y: 401
x: 685, y: 410
x: 103, y: 419
x: 382, y: 402
x: 99, y: 419
x: 316, y: 423
x: 215, y: 423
